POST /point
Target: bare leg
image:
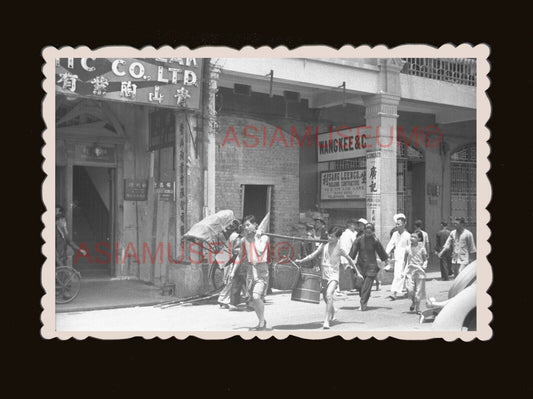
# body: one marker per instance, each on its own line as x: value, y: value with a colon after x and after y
x: 259, y: 305
x: 330, y: 310
x: 259, y: 308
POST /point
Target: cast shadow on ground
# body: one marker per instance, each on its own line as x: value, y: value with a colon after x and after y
x: 369, y: 308
x: 316, y: 325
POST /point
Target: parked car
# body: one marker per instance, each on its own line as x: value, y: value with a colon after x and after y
x: 459, y: 311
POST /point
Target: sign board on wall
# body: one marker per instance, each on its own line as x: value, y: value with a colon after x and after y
x: 165, y: 82
x: 373, y: 165
x: 341, y: 144
x: 165, y: 190
x: 95, y: 153
x: 135, y: 189
x: 343, y: 184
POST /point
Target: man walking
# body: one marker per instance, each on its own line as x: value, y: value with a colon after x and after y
x: 365, y: 249
x: 397, y: 246
x: 256, y: 252
x: 345, y: 243
x: 446, y: 259
x: 461, y: 243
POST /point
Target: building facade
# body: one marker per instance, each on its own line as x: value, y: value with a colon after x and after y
x: 145, y: 148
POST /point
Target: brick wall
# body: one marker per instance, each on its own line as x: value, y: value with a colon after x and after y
x: 267, y: 162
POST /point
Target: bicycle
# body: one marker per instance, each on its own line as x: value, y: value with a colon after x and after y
x: 68, y: 284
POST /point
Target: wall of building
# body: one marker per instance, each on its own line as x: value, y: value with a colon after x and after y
x: 268, y: 162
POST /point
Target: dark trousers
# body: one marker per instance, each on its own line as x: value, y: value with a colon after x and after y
x: 446, y: 267
x: 364, y: 292
x: 238, y: 282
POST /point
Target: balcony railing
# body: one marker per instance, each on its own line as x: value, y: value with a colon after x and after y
x: 454, y: 70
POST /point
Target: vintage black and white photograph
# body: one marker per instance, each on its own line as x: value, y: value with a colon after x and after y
x: 311, y: 192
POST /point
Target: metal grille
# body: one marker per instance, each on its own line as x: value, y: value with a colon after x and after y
x: 455, y: 70
x: 463, y: 185
x: 402, y: 197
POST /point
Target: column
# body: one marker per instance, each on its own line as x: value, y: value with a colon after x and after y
x: 381, y: 148
x: 212, y: 127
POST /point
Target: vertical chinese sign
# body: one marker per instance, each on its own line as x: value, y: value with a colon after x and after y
x: 373, y: 190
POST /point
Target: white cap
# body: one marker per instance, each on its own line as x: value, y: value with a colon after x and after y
x: 397, y: 216
x: 363, y: 221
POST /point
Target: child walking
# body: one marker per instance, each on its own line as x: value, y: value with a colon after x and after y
x: 416, y: 260
x: 331, y: 254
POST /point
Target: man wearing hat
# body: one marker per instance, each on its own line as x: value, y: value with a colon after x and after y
x: 461, y: 243
x: 398, y: 245
x: 320, y: 232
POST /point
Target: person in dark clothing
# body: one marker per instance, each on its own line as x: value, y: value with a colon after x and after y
x: 446, y: 260
x: 307, y: 247
x: 365, y: 248
x: 63, y: 240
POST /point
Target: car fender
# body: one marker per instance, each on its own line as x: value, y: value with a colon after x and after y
x: 452, y: 316
x: 464, y: 279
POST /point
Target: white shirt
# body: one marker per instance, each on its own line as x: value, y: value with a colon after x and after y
x: 345, y: 243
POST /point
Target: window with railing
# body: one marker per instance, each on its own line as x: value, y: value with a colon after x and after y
x: 454, y: 70
x: 463, y: 185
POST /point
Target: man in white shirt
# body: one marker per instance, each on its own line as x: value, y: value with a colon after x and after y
x: 461, y: 244
x: 348, y: 238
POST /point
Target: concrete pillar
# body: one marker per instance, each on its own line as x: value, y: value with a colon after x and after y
x: 381, y: 149
x: 212, y: 125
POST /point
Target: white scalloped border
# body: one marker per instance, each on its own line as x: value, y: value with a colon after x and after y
x: 484, y: 192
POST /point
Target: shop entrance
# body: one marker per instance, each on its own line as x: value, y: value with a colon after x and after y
x: 92, y: 215
x: 256, y: 200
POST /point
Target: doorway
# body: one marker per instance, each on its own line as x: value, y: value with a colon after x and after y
x: 256, y: 200
x: 92, y: 216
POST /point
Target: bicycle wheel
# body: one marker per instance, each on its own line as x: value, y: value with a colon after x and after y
x: 216, y: 275
x: 68, y: 284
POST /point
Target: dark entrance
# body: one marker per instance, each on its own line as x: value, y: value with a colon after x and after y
x: 92, y: 194
x: 256, y: 200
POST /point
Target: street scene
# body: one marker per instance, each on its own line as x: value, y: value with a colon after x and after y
x: 283, y: 314
x: 264, y: 194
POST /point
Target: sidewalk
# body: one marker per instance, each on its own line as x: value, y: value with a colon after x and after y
x: 96, y: 294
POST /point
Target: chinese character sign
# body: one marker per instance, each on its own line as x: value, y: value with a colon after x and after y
x: 373, y: 163
x: 166, y: 82
x: 135, y: 189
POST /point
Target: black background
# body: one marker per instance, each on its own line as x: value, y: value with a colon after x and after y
x: 195, y: 367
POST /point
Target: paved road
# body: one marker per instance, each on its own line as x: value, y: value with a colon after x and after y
x: 281, y: 314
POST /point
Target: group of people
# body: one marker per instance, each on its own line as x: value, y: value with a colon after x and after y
x: 355, y: 248
x: 246, y: 269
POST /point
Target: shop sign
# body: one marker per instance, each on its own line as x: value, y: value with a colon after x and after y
x: 373, y: 206
x: 166, y: 82
x: 95, y: 153
x: 373, y: 164
x: 135, y: 189
x: 165, y: 190
x: 341, y: 144
x: 343, y: 184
